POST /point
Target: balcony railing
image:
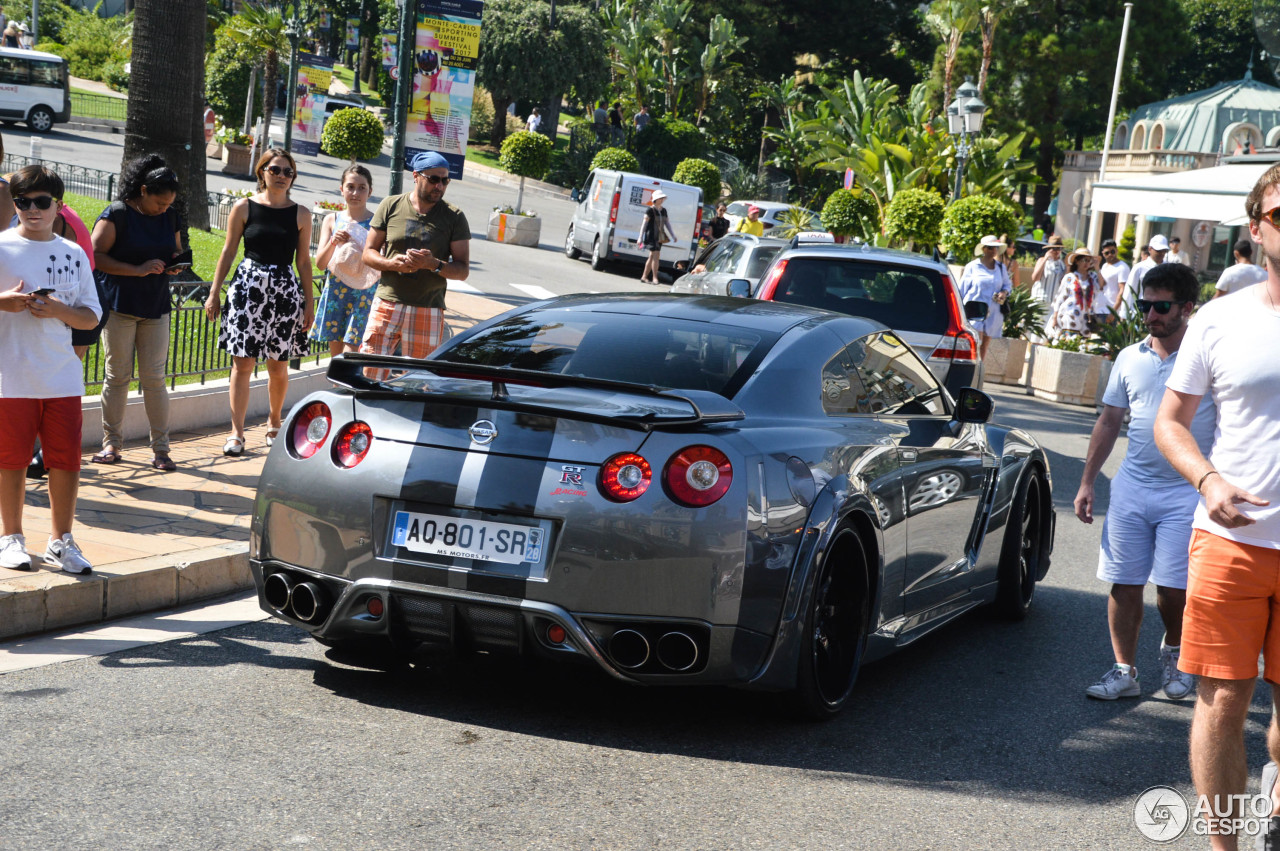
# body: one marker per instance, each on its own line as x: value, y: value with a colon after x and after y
x: 1139, y: 161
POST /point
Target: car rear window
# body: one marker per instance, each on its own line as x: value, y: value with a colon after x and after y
x: 761, y: 260
x: 905, y: 298
x: 635, y: 349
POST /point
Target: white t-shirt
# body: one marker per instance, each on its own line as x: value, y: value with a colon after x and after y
x: 1232, y: 351
x: 534, y: 122
x: 1178, y: 257
x: 1133, y: 285
x: 1113, y: 277
x: 36, y: 358
x: 1241, y: 275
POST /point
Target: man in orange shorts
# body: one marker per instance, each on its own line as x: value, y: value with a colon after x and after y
x: 1232, y: 352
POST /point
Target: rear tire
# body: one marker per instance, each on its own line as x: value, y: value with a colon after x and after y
x: 40, y: 119
x: 570, y: 250
x: 598, y: 262
x: 1022, y: 551
x: 834, y: 632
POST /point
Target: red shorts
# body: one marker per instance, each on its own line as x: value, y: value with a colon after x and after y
x: 1233, y: 609
x: 57, y: 422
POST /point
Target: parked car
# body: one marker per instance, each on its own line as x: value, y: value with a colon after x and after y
x: 610, y: 213
x: 35, y: 87
x: 735, y: 255
x: 770, y: 214
x: 910, y: 293
x: 672, y: 489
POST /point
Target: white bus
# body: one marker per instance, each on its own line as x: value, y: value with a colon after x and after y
x: 35, y: 87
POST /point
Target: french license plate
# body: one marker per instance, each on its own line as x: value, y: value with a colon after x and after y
x: 456, y: 537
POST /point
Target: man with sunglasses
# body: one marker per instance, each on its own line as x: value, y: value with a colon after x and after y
x: 1115, y: 272
x: 1232, y: 354
x: 416, y: 240
x: 1148, y: 519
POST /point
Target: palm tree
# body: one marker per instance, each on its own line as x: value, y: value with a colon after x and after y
x: 261, y: 27
x: 988, y: 19
x: 166, y: 95
x: 950, y: 20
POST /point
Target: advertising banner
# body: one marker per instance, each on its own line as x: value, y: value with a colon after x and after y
x: 326, y: 21
x: 353, y: 33
x: 314, y: 76
x: 389, y: 55
x: 444, y: 72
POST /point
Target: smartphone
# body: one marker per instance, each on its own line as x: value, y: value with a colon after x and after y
x: 43, y: 291
x: 177, y: 267
x: 181, y: 261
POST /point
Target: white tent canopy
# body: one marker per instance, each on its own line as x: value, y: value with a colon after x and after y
x: 1206, y: 194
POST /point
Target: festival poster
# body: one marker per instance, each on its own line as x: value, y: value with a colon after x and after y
x: 326, y: 21
x: 314, y: 75
x: 446, y: 49
x: 389, y: 39
x: 353, y: 33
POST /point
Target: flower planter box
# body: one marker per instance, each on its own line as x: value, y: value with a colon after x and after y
x: 517, y: 230
x: 1006, y: 360
x: 1071, y: 377
x: 235, y: 160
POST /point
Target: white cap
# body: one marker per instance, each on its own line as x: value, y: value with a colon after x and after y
x: 1158, y: 243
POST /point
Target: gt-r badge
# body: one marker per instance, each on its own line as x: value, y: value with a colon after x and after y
x: 483, y: 432
x: 570, y: 475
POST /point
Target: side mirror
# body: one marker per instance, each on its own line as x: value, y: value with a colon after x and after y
x: 976, y: 309
x: 740, y: 288
x: 974, y: 406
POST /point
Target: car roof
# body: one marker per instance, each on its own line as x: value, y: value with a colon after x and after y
x: 862, y: 251
x: 739, y: 236
x: 771, y: 316
x: 38, y: 55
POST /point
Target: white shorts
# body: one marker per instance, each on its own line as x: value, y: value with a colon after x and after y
x: 993, y: 324
x: 1146, y: 534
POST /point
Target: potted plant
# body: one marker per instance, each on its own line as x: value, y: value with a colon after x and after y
x: 1023, y: 321
x: 525, y: 154
x: 1065, y: 371
x: 914, y: 219
x: 235, y: 151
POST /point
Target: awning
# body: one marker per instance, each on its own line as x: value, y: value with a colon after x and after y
x: 1204, y: 194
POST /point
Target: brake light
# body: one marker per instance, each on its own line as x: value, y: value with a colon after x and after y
x: 613, y: 208
x: 959, y: 344
x: 697, y: 476
x: 352, y: 444
x: 697, y: 225
x: 310, y: 428
x: 625, y: 477
x: 771, y: 280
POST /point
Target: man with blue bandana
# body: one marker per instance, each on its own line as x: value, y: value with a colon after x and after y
x: 416, y: 240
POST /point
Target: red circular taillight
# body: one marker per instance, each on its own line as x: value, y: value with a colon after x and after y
x: 625, y: 476
x: 352, y: 444
x: 310, y: 428
x: 698, y: 475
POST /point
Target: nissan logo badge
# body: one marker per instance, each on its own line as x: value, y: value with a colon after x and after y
x: 483, y: 432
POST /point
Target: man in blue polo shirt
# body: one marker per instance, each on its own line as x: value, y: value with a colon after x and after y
x: 1147, y: 530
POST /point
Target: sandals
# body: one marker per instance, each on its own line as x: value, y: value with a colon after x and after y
x: 109, y: 455
x: 233, y: 447
x: 164, y: 463
x: 272, y: 434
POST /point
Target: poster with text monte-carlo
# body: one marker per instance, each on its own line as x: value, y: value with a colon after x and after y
x: 446, y: 48
x: 314, y: 75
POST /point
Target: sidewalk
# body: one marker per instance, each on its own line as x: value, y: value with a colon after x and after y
x: 155, y: 539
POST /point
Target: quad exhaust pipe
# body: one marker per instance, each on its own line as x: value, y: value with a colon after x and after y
x: 677, y: 651
x: 629, y: 649
x: 306, y: 601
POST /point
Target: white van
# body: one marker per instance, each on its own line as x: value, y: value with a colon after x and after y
x: 34, y: 87
x: 610, y: 212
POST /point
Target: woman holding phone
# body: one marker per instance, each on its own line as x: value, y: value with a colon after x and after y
x: 134, y: 240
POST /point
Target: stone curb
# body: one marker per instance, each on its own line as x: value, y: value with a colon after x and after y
x: 49, y: 600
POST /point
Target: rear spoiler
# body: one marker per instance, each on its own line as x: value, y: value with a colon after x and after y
x: 348, y: 370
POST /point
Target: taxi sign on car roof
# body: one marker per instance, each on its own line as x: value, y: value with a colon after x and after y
x: 809, y: 237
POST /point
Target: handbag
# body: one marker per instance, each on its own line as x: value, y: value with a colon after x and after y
x: 347, y: 261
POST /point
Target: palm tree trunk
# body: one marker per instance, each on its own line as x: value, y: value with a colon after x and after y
x: 498, y: 133
x: 166, y: 90
x: 272, y: 75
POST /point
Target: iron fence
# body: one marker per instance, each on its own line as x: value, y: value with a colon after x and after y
x: 220, y: 205
x: 82, y: 180
x: 194, y: 355
x: 87, y: 105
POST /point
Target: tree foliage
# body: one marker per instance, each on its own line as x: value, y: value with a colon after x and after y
x: 526, y: 154
x: 847, y: 214
x: 354, y: 134
x: 971, y: 218
x: 615, y: 159
x: 703, y: 174
x: 914, y: 217
x: 1225, y: 41
x: 226, y: 73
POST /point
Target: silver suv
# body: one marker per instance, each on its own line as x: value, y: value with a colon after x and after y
x: 734, y: 255
x: 910, y: 293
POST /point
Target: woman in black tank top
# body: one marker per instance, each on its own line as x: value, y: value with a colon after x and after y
x: 269, y: 309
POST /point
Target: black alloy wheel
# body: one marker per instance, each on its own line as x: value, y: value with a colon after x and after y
x: 835, y: 630
x: 1023, y: 548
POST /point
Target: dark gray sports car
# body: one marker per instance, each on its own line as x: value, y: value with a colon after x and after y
x: 677, y: 489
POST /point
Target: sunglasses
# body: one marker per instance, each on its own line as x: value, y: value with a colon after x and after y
x: 1273, y: 216
x: 40, y: 202
x: 434, y: 179
x: 277, y: 171
x: 1160, y: 307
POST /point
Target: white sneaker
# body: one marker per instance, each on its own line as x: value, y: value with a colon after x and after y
x: 66, y: 555
x: 13, y: 553
x: 1176, y: 684
x: 1117, y: 682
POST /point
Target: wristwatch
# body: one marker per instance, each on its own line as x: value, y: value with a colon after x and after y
x: 439, y: 266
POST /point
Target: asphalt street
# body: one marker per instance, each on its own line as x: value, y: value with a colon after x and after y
x: 976, y: 737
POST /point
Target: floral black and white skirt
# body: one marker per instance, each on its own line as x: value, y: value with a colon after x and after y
x: 263, y: 316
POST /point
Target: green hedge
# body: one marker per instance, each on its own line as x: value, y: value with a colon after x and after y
x: 526, y: 154
x: 973, y: 217
x: 615, y: 159
x: 914, y: 217
x: 671, y: 140
x: 352, y: 134
x: 703, y: 174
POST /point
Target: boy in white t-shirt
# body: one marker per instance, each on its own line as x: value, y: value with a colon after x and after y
x: 46, y: 289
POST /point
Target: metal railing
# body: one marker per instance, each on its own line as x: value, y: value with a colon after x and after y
x: 85, y: 105
x: 194, y: 355
x: 82, y: 180
x: 220, y: 205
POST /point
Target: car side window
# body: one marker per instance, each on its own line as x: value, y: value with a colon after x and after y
x: 895, y: 379
x: 760, y: 261
x: 713, y: 256
x: 728, y: 261
x: 842, y: 390
x: 14, y: 71
x: 737, y: 208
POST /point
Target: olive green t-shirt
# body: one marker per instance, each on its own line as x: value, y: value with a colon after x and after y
x: 443, y: 224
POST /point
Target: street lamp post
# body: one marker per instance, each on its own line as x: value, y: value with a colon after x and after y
x: 293, y: 29
x: 404, y: 91
x: 964, y: 118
